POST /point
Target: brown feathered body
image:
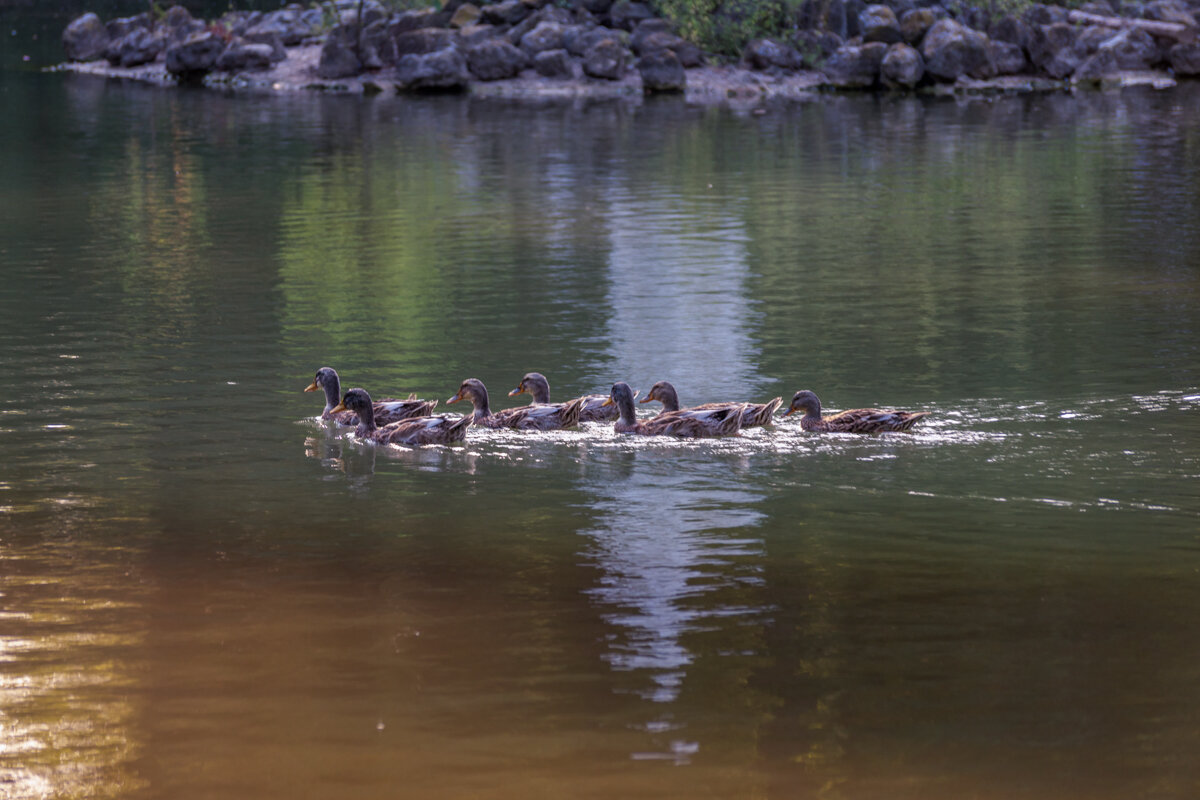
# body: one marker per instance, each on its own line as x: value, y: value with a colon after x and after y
x: 755, y: 414
x: 442, y: 429
x: 858, y: 420
x: 536, y: 417
x: 691, y: 423
x: 594, y: 407
x: 386, y: 411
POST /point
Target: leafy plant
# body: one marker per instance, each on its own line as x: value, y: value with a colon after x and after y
x: 725, y: 26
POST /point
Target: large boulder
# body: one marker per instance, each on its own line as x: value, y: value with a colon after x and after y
x: 339, y: 55
x: 606, y: 59
x: 272, y: 40
x: 662, y: 72
x: 1051, y: 49
x: 195, y: 55
x: 1010, y: 29
x: 1170, y: 11
x: 292, y: 25
x: 139, y: 46
x: 902, y: 67
x: 444, y: 70
x: 465, y: 15
x: 179, y: 24
x: 243, y: 56
x: 555, y: 64
x: 914, y: 24
x: 855, y: 66
x: 86, y: 38
x: 123, y: 26
x: 952, y: 50
x: 509, y: 12
x: 412, y: 20
x: 376, y: 45
x: 1185, y: 58
x: 1039, y: 14
x: 765, y: 54
x: 423, y: 41
x: 580, y: 39
x: 495, y: 60
x: 1007, y: 58
x: 879, y: 24
x: 626, y: 14
x: 546, y: 36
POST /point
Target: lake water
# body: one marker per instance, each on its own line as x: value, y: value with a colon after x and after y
x: 205, y: 592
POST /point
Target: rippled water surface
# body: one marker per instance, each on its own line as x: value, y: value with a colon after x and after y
x: 207, y: 592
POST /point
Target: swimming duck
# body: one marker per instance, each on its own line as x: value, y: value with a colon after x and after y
x: 386, y: 411
x: 756, y: 414
x: 549, y: 417
x: 858, y: 420
x: 412, y: 431
x: 594, y: 410
x: 722, y: 421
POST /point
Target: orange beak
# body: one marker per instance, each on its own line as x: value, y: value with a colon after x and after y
x: 519, y: 390
x: 312, y: 387
x: 455, y: 399
x: 789, y: 412
x: 338, y: 407
x: 607, y: 402
x: 647, y: 399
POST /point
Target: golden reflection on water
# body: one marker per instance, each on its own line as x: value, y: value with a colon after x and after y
x: 67, y: 688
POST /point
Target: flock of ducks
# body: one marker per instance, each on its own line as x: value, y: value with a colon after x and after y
x: 412, y: 422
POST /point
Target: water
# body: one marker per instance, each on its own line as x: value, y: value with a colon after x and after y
x: 204, y: 592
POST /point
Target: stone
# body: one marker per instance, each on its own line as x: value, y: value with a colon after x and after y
x: 1051, y: 49
x: 195, y: 55
x: 546, y: 36
x: 376, y: 46
x: 239, y: 22
x: 510, y: 12
x: 952, y: 50
x: 140, y: 46
x: 278, y: 51
x: 291, y: 25
x: 579, y: 40
x: 423, y: 41
x: 1007, y: 58
x: 1010, y: 29
x: 86, y: 38
x: 597, y: 7
x: 763, y: 54
x: 626, y: 14
x: 606, y: 59
x: 554, y: 64
x: 243, y: 56
x: 1134, y: 49
x: 645, y: 29
x: 339, y: 56
x: 855, y: 66
x: 661, y: 71
x: 477, y: 34
x: 443, y: 70
x: 372, y: 12
x: 123, y: 26
x: 1088, y: 40
x: 412, y: 20
x: 1039, y: 14
x: 495, y: 60
x: 879, y: 24
x: 902, y: 66
x: 1170, y: 11
x: 1185, y: 58
x: 466, y: 14
x: 915, y: 23
x: 180, y: 24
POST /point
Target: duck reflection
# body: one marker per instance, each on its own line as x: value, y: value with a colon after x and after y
x: 339, y: 452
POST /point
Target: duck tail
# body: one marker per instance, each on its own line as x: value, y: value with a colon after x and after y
x: 733, y: 422
x: 760, y: 414
x: 572, y: 411
x: 912, y: 419
x: 458, y: 429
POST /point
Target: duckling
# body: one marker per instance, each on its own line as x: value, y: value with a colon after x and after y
x: 594, y: 410
x: 550, y: 417
x: 858, y: 420
x: 386, y: 411
x: 412, y: 431
x: 723, y: 421
x: 756, y: 414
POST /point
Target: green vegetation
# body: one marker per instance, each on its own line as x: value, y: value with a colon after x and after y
x: 724, y: 26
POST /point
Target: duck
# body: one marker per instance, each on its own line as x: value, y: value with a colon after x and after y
x: 386, y: 411
x: 536, y: 417
x: 723, y: 421
x: 441, y: 429
x: 594, y: 410
x: 858, y: 420
x: 755, y: 415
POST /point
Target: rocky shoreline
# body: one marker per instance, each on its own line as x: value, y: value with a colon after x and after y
x: 599, y: 48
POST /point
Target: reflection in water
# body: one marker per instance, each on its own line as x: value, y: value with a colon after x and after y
x: 66, y: 709
x: 669, y: 546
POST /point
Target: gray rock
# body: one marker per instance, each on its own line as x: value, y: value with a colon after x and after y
x: 554, y: 64
x: 272, y: 40
x: 580, y: 39
x: 180, y: 24
x: 477, y: 34
x: 1134, y: 49
x: 1007, y: 58
x: 902, y: 66
x: 465, y: 15
x: 1039, y: 14
x: 626, y: 14
x: 243, y: 56
x: 412, y: 20
x: 879, y: 24
x: 339, y: 56
x: 195, y: 55
x: 510, y: 12
x: 423, y: 41
x: 444, y: 70
x: 915, y: 23
x: 377, y: 47
x: 597, y: 7
x: 291, y: 24
x: 662, y: 71
x: 495, y: 60
x: 86, y: 38
x: 1010, y: 29
x: 239, y: 22
x: 645, y: 29
x: 764, y: 54
x: 1170, y: 11
x: 1185, y: 58
x: 856, y: 66
x: 118, y: 28
x: 1051, y: 49
x: 606, y: 59
x: 546, y: 36
x: 1089, y: 39
x: 139, y: 46
x: 952, y: 50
